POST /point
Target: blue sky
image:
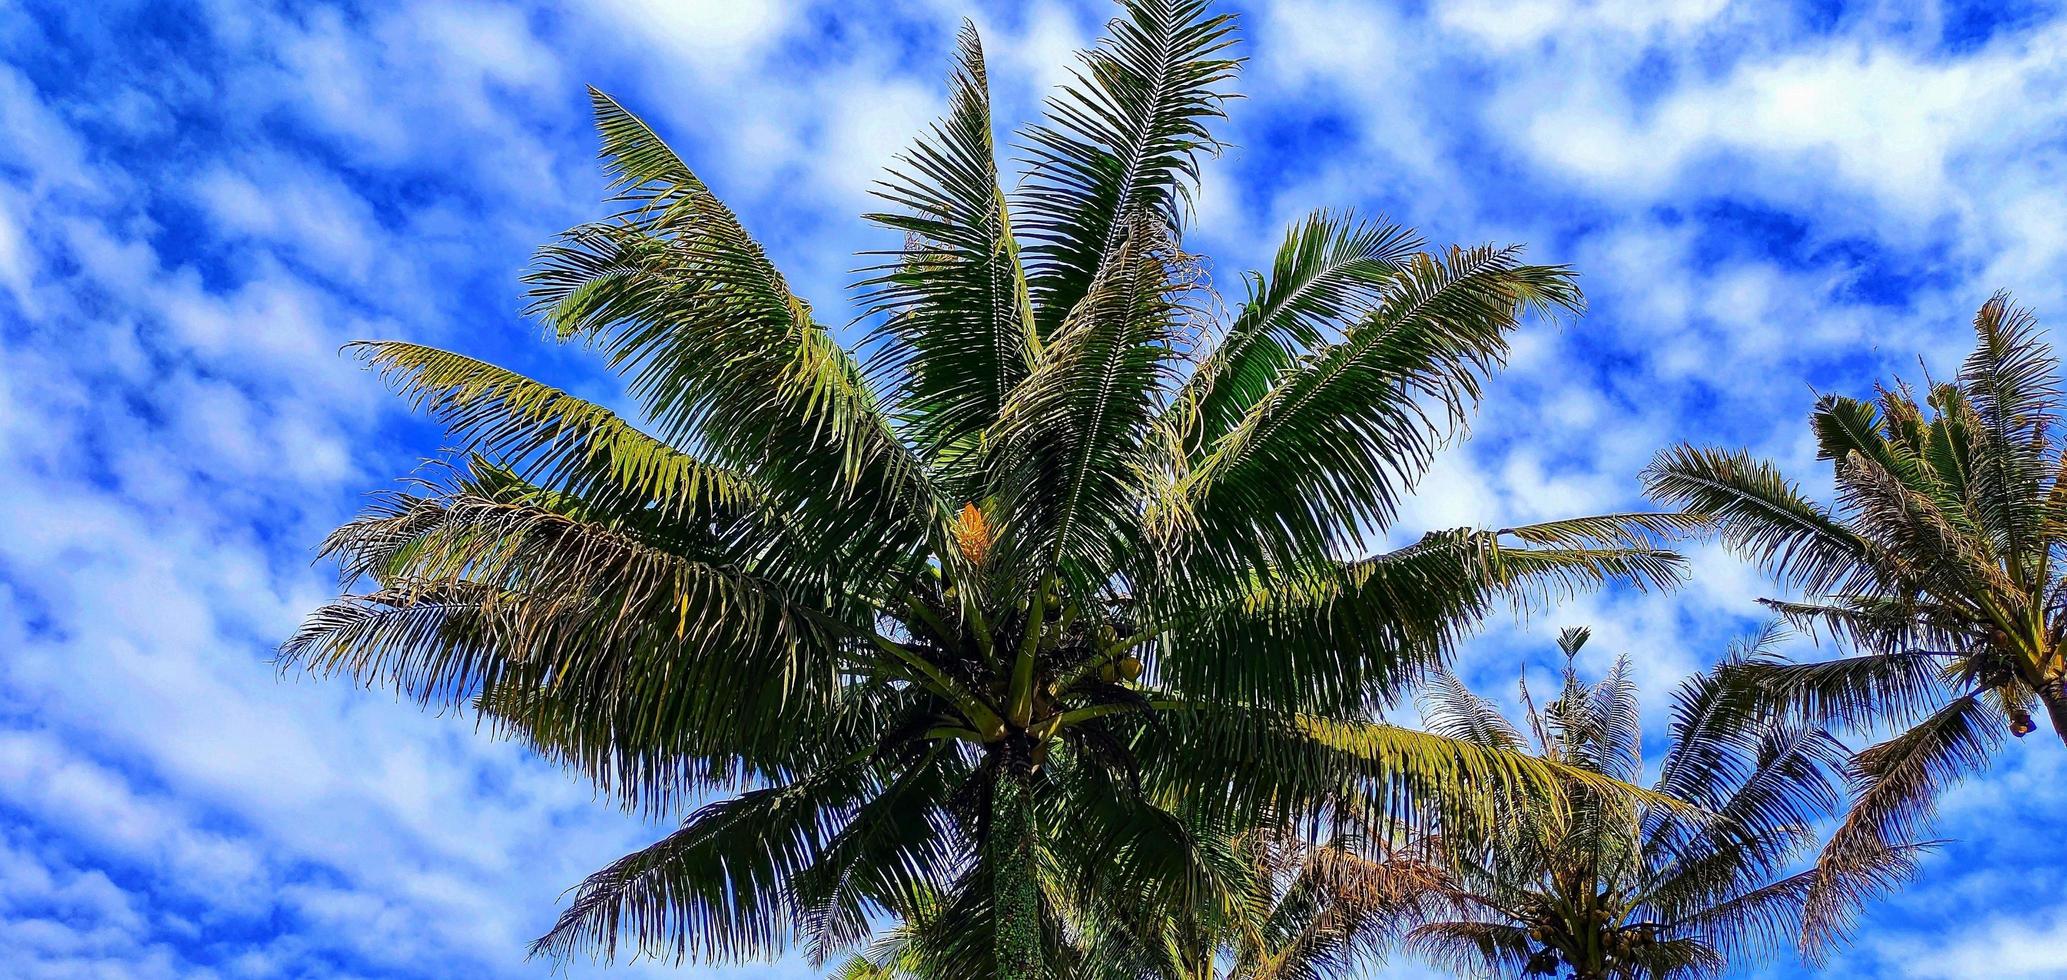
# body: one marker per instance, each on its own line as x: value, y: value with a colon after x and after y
x: 200, y: 202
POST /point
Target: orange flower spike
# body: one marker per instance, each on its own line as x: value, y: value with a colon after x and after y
x: 973, y: 534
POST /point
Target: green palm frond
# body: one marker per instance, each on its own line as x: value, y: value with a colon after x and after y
x: 1330, y: 272
x: 957, y: 334
x: 1875, y: 622
x: 1712, y: 723
x: 1120, y: 147
x: 721, y: 354
x: 1361, y: 632
x: 596, y: 616
x: 1378, y: 773
x: 1762, y: 515
x: 718, y: 887
x: 1072, y: 433
x: 2013, y: 379
x: 1849, y: 691
x: 554, y: 438
x: 888, y: 856
x: 1633, y: 530
x: 1324, y: 455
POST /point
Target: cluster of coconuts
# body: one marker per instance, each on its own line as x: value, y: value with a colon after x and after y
x: 1127, y: 668
x: 1547, y: 958
x: 1624, y: 944
x: 1621, y: 945
x: 1999, y: 676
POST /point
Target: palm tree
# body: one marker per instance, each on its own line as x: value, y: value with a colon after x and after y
x: 960, y: 621
x: 1614, y: 887
x: 1937, y: 566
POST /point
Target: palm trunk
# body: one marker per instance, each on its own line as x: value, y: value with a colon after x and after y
x: 1015, y: 899
x: 2053, y: 694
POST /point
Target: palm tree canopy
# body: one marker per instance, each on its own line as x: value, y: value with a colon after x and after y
x: 933, y: 623
x: 1938, y: 566
x: 1613, y: 887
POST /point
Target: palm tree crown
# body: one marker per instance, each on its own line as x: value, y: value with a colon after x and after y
x: 960, y: 623
x: 1939, y: 566
x: 1610, y: 887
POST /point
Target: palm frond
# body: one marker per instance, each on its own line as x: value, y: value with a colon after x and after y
x: 1120, y: 146
x: 1848, y: 691
x: 553, y: 438
x: 1898, y: 782
x: 1072, y: 435
x: 958, y: 332
x: 1283, y: 766
x: 1323, y: 457
x: 1360, y: 632
x: 897, y: 848
x: 1470, y: 948
x: 721, y: 355
x: 1899, y: 779
x: 1838, y: 893
x: 1616, y: 746
x: 1763, y: 516
x: 1330, y: 272
x: 718, y: 887
x: 2013, y: 379
x: 648, y: 645
x: 1451, y: 710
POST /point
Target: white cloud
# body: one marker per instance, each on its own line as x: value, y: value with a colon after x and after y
x: 1507, y: 25
x: 17, y: 266
x: 313, y: 217
x: 711, y: 37
x: 1920, y: 136
x: 2002, y: 948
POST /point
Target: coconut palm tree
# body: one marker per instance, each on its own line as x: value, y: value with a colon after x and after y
x: 1608, y: 887
x: 1938, y: 567
x: 961, y: 620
